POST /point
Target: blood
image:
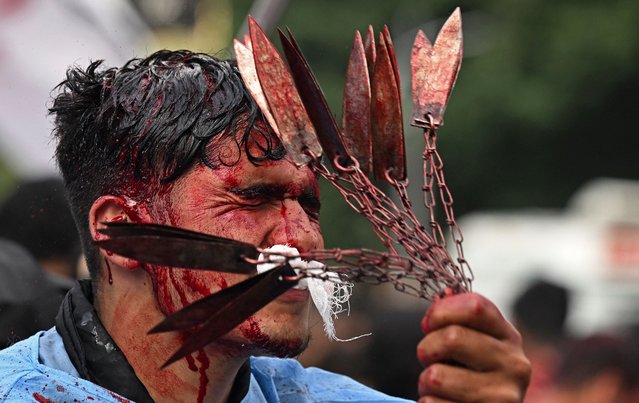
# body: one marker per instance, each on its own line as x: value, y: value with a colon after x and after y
x: 254, y: 332
x: 279, y: 348
x: 190, y: 361
x: 180, y: 290
x: 118, y: 398
x: 287, y: 229
x: 204, y: 380
x: 41, y: 399
x: 60, y: 388
x: 108, y: 265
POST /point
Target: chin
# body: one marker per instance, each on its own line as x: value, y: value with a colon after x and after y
x: 274, y: 340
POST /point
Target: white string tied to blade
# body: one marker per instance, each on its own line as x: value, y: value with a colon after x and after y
x: 329, y: 295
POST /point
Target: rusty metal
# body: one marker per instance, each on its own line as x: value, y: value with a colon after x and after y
x: 147, y: 243
x: 244, y: 55
x: 416, y: 261
x: 369, y: 46
x: 233, y: 311
x: 356, y: 107
x: 434, y: 70
x: 283, y: 99
x: 315, y: 103
x: 389, y: 161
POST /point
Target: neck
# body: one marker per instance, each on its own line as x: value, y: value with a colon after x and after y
x: 128, y: 309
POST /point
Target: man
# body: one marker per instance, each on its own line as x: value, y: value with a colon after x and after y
x: 176, y: 139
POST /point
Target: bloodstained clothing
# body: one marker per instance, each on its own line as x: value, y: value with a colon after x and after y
x: 78, y: 361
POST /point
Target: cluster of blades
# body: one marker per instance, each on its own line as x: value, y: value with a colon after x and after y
x: 369, y: 141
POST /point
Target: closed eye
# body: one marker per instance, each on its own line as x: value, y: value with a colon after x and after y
x: 311, y: 204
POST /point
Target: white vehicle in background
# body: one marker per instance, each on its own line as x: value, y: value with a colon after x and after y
x: 591, y: 247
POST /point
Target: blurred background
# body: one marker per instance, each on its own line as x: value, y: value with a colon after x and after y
x: 539, y: 146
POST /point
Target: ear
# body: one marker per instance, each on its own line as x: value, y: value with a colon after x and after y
x: 110, y: 208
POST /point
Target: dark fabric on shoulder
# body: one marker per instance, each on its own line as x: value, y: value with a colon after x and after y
x: 91, y: 350
x: 241, y: 383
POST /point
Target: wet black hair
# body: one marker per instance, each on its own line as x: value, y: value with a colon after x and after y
x: 150, y: 121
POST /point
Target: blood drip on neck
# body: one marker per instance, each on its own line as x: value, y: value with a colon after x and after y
x: 108, y: 265
x: 204, y: 380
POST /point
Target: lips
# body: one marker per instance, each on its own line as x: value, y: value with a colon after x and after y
x: 295, y: 295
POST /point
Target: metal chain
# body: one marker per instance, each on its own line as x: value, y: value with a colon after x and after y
x: 400, y: 231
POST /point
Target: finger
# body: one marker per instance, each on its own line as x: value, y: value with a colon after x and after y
x: 465, y: 346
x: 463, y: 385
x: 470, y: 310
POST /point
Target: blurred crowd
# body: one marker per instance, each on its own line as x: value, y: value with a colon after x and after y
x: 599, y: 367
x: 39, y: 257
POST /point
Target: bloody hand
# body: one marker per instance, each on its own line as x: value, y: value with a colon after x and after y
x: 470, y: 353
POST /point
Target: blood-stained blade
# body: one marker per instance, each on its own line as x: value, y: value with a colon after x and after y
x: 434, y: 71
x: 178, y: 248
x: 235, y: 310
x: 315, y: 103
x: 246, y: 64
x: 369, y: 46
x: 200, y: 311
x: 356, y: 107
x: 392, y: 57
x: 388, y: 131
x: 121, y: 229
x: 295, y: 127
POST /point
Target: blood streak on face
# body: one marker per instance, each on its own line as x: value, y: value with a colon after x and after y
x: 267, y: 204
x: 204, y: 380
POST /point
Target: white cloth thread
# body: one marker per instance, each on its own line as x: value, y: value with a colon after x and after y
x: 329, y: 296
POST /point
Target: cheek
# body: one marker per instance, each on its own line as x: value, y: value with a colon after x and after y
x: 176, y: 288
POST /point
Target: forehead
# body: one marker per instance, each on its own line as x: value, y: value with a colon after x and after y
x: 282, y: 174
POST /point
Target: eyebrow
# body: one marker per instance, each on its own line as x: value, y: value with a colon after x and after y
x: 274, y: 192
x: 262, y: 191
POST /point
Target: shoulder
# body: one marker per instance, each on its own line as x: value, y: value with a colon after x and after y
x: 24, y: 378
x: 17, y: 362
x: 288, y: 381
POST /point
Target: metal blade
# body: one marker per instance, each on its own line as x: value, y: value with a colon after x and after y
x: 258, y: 295
x: 388, y: 132
x: 201, y: 310
x: 438, y: 67
x: 419, y: 66
x: 315, y: 103
x: 120, y: 229
x: 393, y: 58
x: 356, y: 107
x: 175, y: 247
x: 246, y: 65
x: 284, y: 102
x: 371, y: 55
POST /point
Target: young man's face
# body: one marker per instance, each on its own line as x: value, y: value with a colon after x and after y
x: 273, y: 203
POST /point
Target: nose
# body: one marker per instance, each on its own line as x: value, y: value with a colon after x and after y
x: 294, y: 227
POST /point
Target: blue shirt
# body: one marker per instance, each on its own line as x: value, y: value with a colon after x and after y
x: 39, y: 369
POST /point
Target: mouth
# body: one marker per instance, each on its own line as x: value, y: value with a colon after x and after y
x: 295, y: 295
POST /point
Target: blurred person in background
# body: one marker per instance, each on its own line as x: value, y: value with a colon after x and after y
x: 36, y: 215
x: 601, y: 368
x: 539, y: 313
x: 28, y: 302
